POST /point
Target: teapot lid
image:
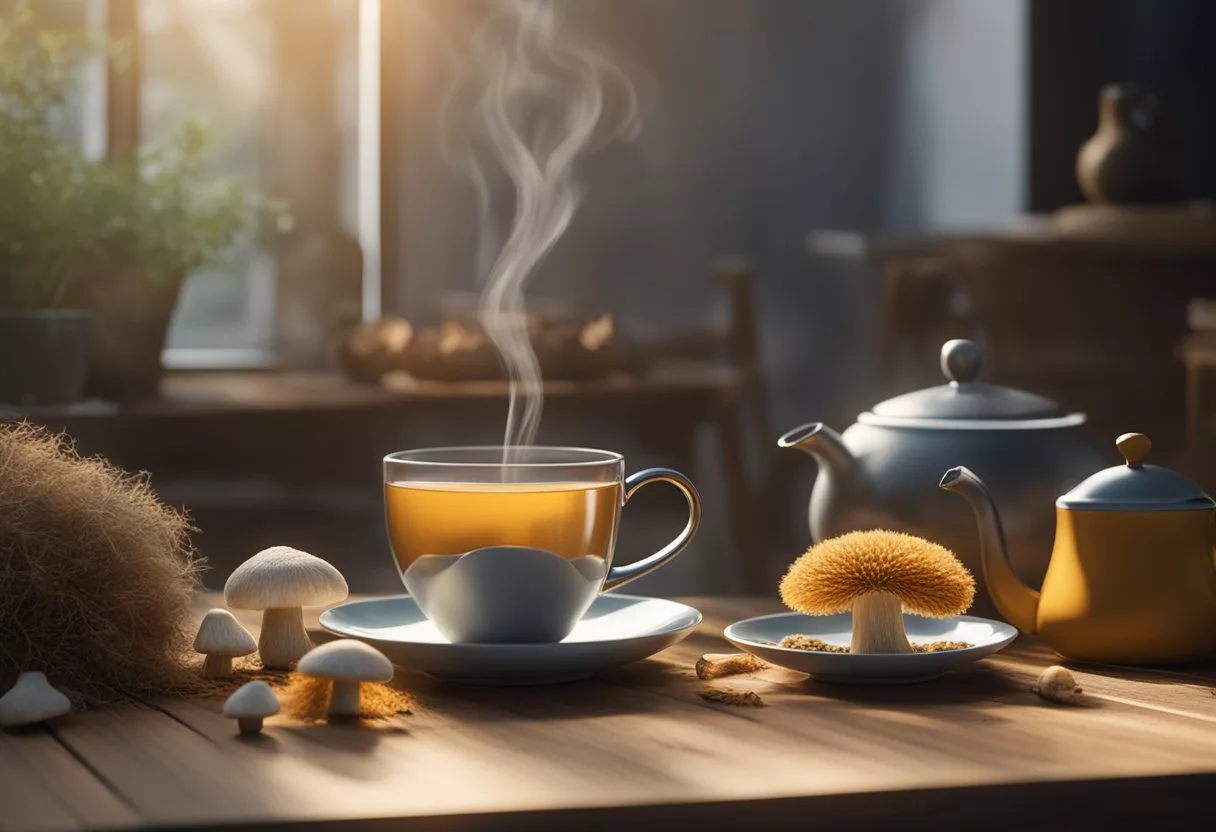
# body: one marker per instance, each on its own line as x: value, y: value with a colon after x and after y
x: 964, y: 398
x: 1135, y: 486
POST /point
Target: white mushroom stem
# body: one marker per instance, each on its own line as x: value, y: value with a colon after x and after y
x: 344, y: 699
x: 878, y: 625
x: 249, y: 724
x: 214, y: 666
x: 284, y: 639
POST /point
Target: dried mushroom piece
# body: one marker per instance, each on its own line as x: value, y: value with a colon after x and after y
x: 1057, y: 684
x: 596, y: 334
x: 717, y: 665
x: 374, y: 348
x: 730, y: 696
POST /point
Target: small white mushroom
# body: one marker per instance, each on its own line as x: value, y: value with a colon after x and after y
x: 1057, y: 684
x: 250, y: 704
x: 31, y: 700
x: 279, y: 581
x: 346, y: 663
x: 221, y: 638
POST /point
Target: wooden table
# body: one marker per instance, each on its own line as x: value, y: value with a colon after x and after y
x: 637, y: 748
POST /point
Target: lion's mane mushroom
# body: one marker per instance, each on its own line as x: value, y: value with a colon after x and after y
x: 279, y: 581
x: 221, y: 638
x: 878, y: 575
x: 31, y: 700
x: 347, y: 664
x: 250, y: 704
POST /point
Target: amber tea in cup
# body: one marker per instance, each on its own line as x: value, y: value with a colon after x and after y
x: 539, y: 524
x: 570, y: 519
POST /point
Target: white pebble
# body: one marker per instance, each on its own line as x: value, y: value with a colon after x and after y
x: 1057, y: 684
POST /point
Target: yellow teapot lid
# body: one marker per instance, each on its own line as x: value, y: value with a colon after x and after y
x: 1135, y: 486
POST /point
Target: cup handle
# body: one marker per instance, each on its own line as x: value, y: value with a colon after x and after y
x: 620, y: 575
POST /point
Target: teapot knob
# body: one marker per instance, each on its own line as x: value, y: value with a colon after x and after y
x: 1134, y: 447
x: 961, y: 360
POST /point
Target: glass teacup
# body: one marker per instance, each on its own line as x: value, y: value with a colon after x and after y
x: 515, y: 550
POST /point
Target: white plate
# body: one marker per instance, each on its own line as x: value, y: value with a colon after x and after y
x: 761, y: 636
x: 617, y: 629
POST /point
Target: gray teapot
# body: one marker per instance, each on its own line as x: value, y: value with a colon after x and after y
x: 883, y: 471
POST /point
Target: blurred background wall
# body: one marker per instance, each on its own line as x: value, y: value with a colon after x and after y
x: 810, y: 137
x: 763, y: 121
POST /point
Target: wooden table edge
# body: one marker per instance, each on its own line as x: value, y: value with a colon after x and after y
x: 1155, y: 802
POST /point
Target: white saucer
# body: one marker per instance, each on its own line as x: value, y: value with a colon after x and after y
x: 761, y: 636
x: 616, y: 629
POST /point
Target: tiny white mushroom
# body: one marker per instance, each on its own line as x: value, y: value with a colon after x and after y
x: 1057, y: 684
x: 250, y: 704
x: 279, y: 581
x: 31, y: 700
x: 346, y: 663
x: 221, y: 638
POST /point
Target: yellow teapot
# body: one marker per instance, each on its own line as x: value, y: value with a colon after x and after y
x: 1132, y: 579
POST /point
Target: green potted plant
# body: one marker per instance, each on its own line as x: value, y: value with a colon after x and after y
x: 93, y: 253
x: 43, y: 333
x: 157, y: 217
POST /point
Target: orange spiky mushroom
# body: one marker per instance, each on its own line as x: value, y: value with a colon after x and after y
x: 878, y: 575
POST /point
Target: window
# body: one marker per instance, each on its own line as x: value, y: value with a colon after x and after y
x: 283, y: 86
x: 213, y: 60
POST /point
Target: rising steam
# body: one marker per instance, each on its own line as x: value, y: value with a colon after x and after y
x: 532, y: 97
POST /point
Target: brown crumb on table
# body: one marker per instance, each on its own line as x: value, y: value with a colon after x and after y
x: 716, y: 665
x: 796, y: 641
x: 729, y: 696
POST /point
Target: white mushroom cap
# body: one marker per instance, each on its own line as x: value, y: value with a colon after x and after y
x: 252, y: 700
x: 31, y: 700
x: 347, y: 660
x: 283, y: 577
x: 220, y: 634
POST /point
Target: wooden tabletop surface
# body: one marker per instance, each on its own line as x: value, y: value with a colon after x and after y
x: 639, y: 746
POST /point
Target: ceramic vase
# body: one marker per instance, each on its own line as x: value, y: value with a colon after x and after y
x: 1129, y: 160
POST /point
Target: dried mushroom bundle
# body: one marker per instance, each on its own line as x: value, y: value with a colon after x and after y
x: 96, y: 575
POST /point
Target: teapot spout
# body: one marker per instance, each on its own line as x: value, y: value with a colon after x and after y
x: 1016, y: 601
x: 823, y: 443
